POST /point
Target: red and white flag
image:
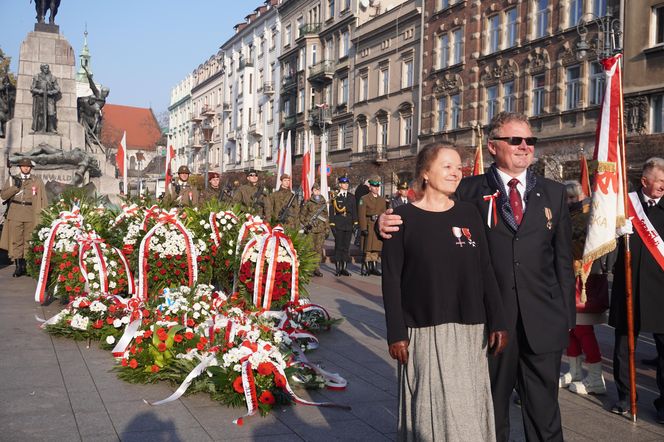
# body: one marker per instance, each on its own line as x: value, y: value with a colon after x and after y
x: 306, y: 167
x: 288, y: 158
x: 280, y: 161
x: 121, y: 161
x: 607, y: 211
x: 312, y: 162
x: 324, y: 188
x: 478, y: 163
x: 170, y: 154
x: 585, y: 177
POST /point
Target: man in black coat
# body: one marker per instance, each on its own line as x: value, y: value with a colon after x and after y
x: 343, y: 219
x: 529, y: 230
x: 647, y: 289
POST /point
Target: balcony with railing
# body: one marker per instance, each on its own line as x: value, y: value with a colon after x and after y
x: 246, y: 64
x: 195, y: 117
x: 377, y: 153
x: 268, y: 88
x: 230, y: 135
x: 309, y: 29
x: 288, y: 83
x: 207, y: 111
x: 256, y: 129
x: 290, y: 121
x: 320, y: 117
x: 225, y: 107
x: 322, y: 72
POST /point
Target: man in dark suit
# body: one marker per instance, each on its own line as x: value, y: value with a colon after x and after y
x: 647, y: 286
x: 529, y: 231
x: 343, y: 219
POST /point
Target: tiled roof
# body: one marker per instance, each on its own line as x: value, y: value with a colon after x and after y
x: 142, y: 128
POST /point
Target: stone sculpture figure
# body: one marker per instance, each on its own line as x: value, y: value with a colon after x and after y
x: 41, y: 6
x: 7, y: 100
x: 90, y: 110
x: 45, y: 93
x: 48, y: 157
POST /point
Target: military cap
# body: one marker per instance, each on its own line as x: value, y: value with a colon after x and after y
x: 183, y: 169
x: 315, y: 186
x: 374, y: 180
x: 25, y: 162
x: 403, y: 185
x: 212, y: 175
x: 252, y: 171
x: 285, y: 177
x: 343, y: 179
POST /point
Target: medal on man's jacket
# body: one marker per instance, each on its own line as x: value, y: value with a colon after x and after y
x: 549, y: 217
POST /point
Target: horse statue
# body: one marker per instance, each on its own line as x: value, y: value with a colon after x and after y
x: 45, y: 5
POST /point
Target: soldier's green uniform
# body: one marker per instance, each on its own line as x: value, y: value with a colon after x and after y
x: 213, y: 193
x: 251, y: 196
x: 27, y: 196
x: 276, y: 203
x: 181, y: 193
x: 370, y: 207
x: 316, y: 223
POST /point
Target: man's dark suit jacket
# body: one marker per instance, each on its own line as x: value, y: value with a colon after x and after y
x: 534, y: 264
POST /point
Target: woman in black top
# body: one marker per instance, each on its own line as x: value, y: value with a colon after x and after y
x: 443, y: 308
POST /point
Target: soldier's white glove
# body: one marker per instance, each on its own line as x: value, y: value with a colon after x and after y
x: 626, y: 228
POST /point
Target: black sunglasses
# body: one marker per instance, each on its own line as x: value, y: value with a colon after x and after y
x: 516, y: 141
x: 252, y: 174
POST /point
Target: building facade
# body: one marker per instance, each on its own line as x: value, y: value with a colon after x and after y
x: 179, y: 120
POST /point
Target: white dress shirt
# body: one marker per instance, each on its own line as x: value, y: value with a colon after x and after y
x: 521, y: 187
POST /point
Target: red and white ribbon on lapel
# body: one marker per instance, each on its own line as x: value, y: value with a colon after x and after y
x: 268, y: 250
x: 163, y: 219
x: 74, y: 217
x: 645, y: 229
x: 90, y: 241
x: 493, y: 212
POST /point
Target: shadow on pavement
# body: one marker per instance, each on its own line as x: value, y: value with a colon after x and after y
x: 148, y: 426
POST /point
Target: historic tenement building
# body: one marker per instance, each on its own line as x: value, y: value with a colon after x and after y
x: 644, y: 80
x: 483, y: 57
x: 250, y: 105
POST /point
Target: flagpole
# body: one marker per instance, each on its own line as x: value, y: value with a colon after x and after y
x: 628, y: 266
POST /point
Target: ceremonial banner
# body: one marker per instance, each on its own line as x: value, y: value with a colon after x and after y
x: 121, y: 161
x: 324, y: 188
x: 478, y: 162
x: 312, y: 161
x: 288, y: 159
x: 607, y: 211
x: 585, y: 177
x: 170, y: 154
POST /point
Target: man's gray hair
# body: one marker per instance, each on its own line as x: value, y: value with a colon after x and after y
x: 502, y: 118
x: 573, y: 188
x: 653, y: 163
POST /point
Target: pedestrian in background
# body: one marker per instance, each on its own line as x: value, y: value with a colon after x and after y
x: 442, y: 319
x: 26, y: 196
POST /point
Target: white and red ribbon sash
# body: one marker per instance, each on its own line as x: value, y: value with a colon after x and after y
x: 216, y: 236
x: 163, y: 219
x: 90, y: 241
x: 268, y: 250
x: 127, y: 212
x: 134, y: 306
x: 131, y: 284
x: 152, y: 212
x: 645, y: 229
x: 249, y: 387
x: 493, y: 212
x: 74, y: 217
x: 197, y: 371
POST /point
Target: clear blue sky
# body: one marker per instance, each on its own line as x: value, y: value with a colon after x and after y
x: 140, y: 48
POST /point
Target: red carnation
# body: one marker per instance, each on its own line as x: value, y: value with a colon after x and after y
x: 98, y: 323
x: 227, y: 263
x: 161, y: 347
x: 178, y: 338
x: 81, y: 279
x: 139, y: 340
x: 159, y: 263
x: 200, y: 346
x: 109, y: 320
x: 237, y: 385
x: 266, y: 398
x: 279, y: 380
x: 162, y: 271
x: 189, y: 336
x: 265, y: 368
x: 183, y: 265
x: 154, y: 368
x: 133, y: 363
x: 124, y: 362
x: 147, y: 334
x: 155, y: 278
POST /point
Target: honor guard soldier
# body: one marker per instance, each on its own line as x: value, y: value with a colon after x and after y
x: 251, y: 195
x: 401, y: 197
x: 315, y: 222
x: 214, y: 192
x: 181, y: 193
x: 25, y: 196
x: 282, y: 207
x: 343, y: 219
x: 371, y: 206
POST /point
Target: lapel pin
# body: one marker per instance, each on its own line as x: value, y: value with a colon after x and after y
x: 537, y: 194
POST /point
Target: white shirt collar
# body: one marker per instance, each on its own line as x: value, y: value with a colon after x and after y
x: 646, y: 198
x: 521, y: 187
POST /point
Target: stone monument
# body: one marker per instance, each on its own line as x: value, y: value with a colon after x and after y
x: 57, y: 148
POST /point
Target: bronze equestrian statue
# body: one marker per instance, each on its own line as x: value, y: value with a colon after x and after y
x: 45, y: 5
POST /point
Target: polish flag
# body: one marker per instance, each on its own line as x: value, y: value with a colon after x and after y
x: 121, y: 161
x: 312, y: 162
x: 170, y: 154
x: 324, y: 189
x: 306, y: 168
x: 478, y: 162
x: 280, y: 161
x: 288, y: 158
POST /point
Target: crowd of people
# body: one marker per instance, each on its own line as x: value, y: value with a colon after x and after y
x: 438, y: 282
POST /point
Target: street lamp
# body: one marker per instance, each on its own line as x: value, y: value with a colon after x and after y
x: 607, y: 42
x: 206, y: 130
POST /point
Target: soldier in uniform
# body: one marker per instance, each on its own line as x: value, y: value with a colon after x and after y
x: 401, y: 197
x: 315, y: 221
x: 343, y: 218
x: 181, y: 193
x: 282, y: 207
x: 26, y: 196
x: 214, y: 192
x: 251, y: 195
x: 371, y: 206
